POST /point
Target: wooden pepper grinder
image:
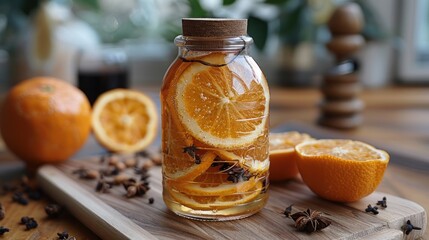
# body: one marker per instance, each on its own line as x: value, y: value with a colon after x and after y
x: 341, y: 106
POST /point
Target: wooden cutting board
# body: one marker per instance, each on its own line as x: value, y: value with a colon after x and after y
x: 113, y: 216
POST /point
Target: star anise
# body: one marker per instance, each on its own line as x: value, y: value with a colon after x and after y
x: 135, y: 188
x: 310, y: 221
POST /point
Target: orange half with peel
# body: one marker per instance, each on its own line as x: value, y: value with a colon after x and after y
x: 283, y: 156
x: 341, y: 170
x: 124, y: 120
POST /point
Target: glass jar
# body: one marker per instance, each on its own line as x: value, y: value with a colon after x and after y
x: 102, y: 69
x: 215, y: 105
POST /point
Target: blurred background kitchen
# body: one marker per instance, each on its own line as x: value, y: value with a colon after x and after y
x: 65, y: 38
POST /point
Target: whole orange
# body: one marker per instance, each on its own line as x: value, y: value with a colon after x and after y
x: 45, y: 120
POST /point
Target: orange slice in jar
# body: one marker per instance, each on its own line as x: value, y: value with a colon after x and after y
x: 254, y: 166
x: 177, y: 164
x: 214, y: 182
x: 180, y: 166
x: 225, y: 106
x: 219, y: 202
x: 124, y: 120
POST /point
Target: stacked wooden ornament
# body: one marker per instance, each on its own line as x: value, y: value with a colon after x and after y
x: 341, y: 106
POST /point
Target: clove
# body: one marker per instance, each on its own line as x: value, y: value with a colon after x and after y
x: 191, y: 151
x: 238, y: 174
x: 408, y: 227
x: 372, y: 209
x: 53, y: 210
x: 103, y: 186
x: 3, y: 230
x: 29, y: 223
x: 2, y: 211
x: 63, y: 235
x: 18, y: 197
x: 288, y: 211
x: 382, y: 203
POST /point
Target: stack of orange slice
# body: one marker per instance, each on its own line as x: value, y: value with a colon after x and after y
x: 222, y: 111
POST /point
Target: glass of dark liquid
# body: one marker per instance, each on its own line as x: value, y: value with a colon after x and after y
x: 102, y: 69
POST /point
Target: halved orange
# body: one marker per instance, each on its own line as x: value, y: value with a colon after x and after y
x: 341, y: 170
x: 224, y: 106
x: 217, y: 202
x: 283, y: 156
x: 124, y: 120
x: 213, y: 182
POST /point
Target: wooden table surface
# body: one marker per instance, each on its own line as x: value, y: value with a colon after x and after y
x: 395, y: 118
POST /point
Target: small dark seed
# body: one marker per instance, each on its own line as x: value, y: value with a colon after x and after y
x: 19, y: 198
x: 24, y: 220
x: 53, y: 210
x: 2, y: 211
x: 3, y: 230
x: 151, y: 200
x: 34, y: 195
x: 31, y: 224
x: 63, y: 235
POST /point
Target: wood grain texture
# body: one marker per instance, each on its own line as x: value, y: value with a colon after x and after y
x: 349, y: 221
x: 47, y: 227
x: 90, y: 209
x: 392, y: 115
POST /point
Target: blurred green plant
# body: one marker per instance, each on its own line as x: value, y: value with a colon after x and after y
x: 13, y: 17
x: 293, y: 21
x: 296, y: 21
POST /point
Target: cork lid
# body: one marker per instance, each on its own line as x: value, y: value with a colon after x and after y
x: 214, y: 27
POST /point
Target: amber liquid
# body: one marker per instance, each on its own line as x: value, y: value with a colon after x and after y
x: 235, y: 189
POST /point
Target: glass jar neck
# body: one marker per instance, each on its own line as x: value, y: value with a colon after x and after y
x: 210, y: 44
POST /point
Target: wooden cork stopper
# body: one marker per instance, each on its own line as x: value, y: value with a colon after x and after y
x: 214, y: 27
